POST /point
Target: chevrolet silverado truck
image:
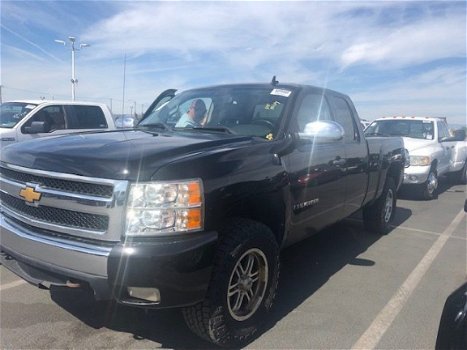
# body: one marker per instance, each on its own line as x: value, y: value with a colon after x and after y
x: 195, y: 217
x: 29, y: 119
x: 433, y: 151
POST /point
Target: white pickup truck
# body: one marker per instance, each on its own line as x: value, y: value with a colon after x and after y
x: 30, y: 119
x: 433, y: 150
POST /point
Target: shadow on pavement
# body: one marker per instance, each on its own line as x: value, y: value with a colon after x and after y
x: 306, y: 267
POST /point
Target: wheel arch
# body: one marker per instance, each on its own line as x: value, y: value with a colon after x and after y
x: 268, y: 209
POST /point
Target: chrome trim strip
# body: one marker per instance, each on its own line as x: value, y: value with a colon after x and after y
x: 51, y: 226
x: 77, y: 256
x: 58, y: 199
x: 113, y: 207
x: 62, y: 176
x: 55, y: 241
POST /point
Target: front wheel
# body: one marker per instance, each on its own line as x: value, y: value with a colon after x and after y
x: 430, y: 186
x: 242, y: 287
x: 378, y: 216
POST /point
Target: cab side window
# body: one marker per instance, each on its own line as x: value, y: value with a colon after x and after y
x: 343, y: 115
x: 442, y: 130
x: 85, y: 117
x: 313, y: 107
x: 52, y: 116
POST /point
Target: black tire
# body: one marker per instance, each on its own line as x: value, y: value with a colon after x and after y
x: 429, y: 189
x: 214, y: 319
x: 377, y: 217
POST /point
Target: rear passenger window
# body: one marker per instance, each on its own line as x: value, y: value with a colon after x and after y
x: 85, y: 117
x: 343, y: 115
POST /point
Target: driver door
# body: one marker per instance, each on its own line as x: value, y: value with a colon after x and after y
x: 316, y: 173
x: 163, y: 98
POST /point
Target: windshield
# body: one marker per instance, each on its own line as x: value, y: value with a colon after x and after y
x: 12, y: 112
x: 248, y: 111
x: 417, y: 129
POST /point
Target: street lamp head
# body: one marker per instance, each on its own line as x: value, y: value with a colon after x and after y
x: 83, y: 45
x: 72, y: 39
x: 60, y: 42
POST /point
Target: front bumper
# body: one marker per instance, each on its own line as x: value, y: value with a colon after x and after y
x: 179, y: 267
x: 416, y: 174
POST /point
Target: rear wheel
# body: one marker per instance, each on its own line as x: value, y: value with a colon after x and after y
x: 430, y: 186
x: 378, y: 216
x: 242, y: 288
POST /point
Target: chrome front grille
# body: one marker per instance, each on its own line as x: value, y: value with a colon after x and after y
x: 56, y: 215
x: 69, y: 204
x: 59, y: 184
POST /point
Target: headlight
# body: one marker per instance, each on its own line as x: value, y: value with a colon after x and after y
x: 420, y: 160
x: 163, y: 207
x: 406, y: 158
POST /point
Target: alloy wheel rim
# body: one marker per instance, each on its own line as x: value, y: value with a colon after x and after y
x: 388, y: 206
x: 247, y: 284
x: 432, y: 183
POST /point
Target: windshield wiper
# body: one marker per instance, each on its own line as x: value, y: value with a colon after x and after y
x: 154, y: 125
x: 376, y: 134
x: 209, y: 128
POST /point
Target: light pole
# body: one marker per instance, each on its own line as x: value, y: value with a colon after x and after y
x: 74, y: 81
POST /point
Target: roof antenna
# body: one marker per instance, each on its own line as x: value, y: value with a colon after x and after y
x: 274, y: 81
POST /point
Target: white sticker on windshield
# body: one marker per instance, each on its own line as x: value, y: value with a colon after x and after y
x: 281, y: 92
x: 426, y: 122
x: 30, y: 106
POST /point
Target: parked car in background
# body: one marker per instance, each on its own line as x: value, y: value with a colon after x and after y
x: 30, y: 119
x: 433, y: 151
x: 125, y: 121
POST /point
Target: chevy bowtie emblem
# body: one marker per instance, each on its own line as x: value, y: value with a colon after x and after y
x: 30, y: 195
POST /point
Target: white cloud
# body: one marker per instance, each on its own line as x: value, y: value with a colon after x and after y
x: 439, y: 92
x: 417, y: 43
x: 184, y: 44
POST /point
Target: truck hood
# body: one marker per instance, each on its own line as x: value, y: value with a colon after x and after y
x: 413, y: 145
x: 120, y: 155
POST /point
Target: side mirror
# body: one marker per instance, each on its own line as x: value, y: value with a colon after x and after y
x: 35, y: 128
x: 322, y: 131
x: 448, y: 139
x: 459, y: 135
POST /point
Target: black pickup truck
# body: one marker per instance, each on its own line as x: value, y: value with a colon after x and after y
x: 192, y: 207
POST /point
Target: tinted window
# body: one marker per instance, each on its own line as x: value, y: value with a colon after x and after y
x: 418, y: 129
x: 85, y: 117
x: 242, y: 110
x: 52, y: 116
x: 313, y: 107
x: 343, y: 115
x: 442, y: 130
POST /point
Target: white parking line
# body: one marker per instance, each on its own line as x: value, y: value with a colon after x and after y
x: 12, y: 285
x: 379, y: 326
x: 428, y: 232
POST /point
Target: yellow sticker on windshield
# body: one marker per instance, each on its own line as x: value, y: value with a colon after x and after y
x: 271, y: 106
x: 269, y: 136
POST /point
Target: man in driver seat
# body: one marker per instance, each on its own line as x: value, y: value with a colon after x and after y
x: 193, y: 118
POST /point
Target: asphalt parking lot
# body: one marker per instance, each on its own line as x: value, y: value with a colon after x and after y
x: 343, y: 288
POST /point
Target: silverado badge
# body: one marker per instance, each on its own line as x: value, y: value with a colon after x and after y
x: 30, y: 195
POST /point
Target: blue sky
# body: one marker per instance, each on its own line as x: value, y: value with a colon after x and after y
x: 392, y: 58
